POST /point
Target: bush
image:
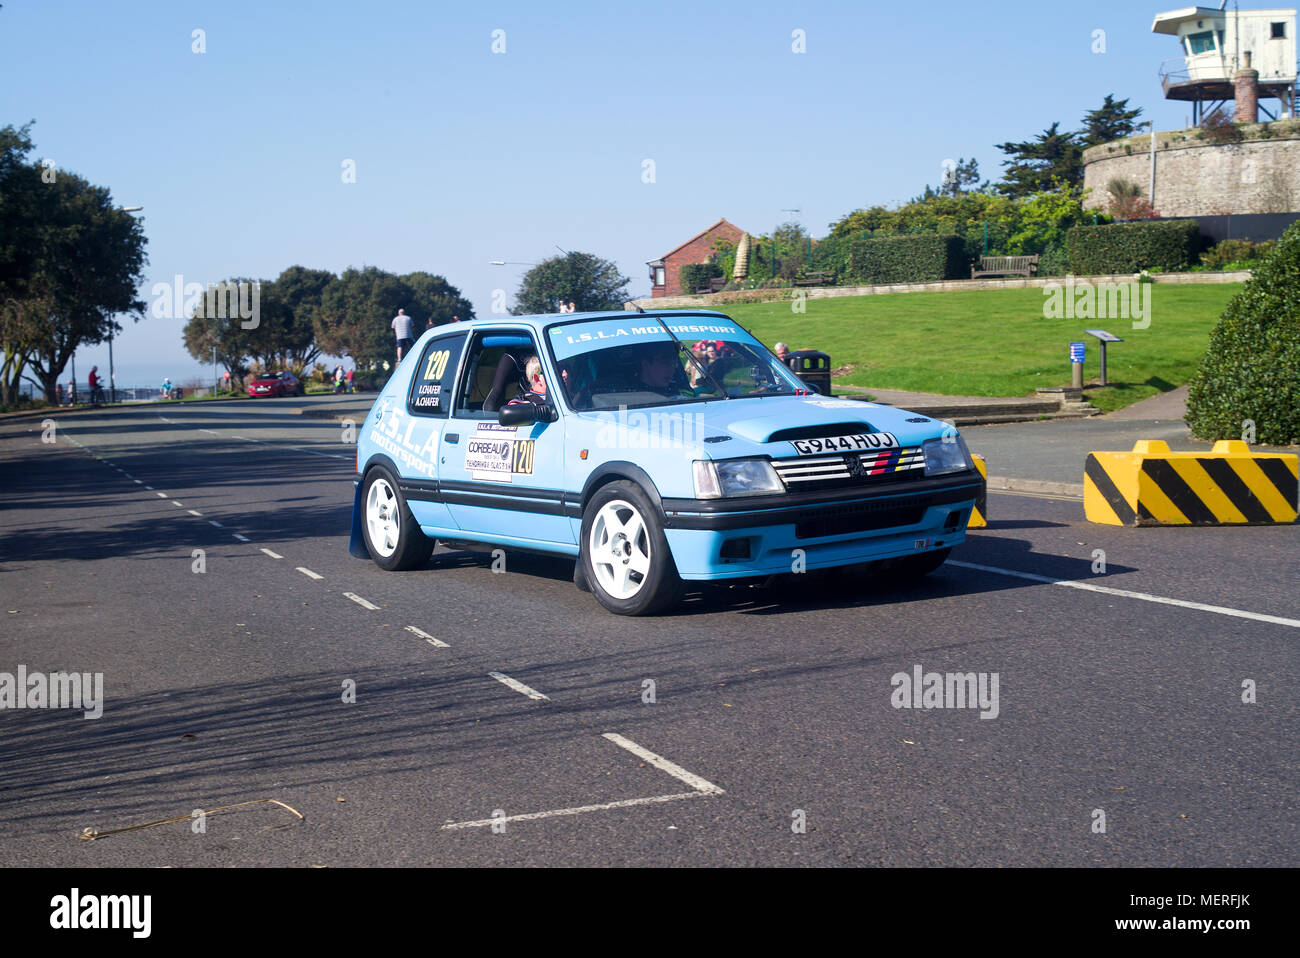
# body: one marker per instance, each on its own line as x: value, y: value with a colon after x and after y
x: 693, y: 276
x: 1218, y: 128
x: 906, y: 259
x: 1132, y: 247
x: 1231, y: 252
x: 1251, y: 369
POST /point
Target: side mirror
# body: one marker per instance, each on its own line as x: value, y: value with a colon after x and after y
x: 520, y: 414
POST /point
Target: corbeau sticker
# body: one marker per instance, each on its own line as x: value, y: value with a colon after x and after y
x: 863, y: 442
x: 493, y: 454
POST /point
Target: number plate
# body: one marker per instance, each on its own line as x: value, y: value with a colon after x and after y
x: 863, y: 442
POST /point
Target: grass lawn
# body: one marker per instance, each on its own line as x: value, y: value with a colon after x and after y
x: 994, y: 342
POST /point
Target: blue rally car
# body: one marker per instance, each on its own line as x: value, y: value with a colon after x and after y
x: 655, y: 448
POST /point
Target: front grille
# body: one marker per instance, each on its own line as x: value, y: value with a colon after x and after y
x: 827, y: 472
x: 849, y: 520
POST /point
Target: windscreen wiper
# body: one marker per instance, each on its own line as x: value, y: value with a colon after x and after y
x: 690, y: 356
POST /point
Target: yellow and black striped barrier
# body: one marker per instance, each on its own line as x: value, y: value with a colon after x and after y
x: 979, y: 515
x: 1152, y: 486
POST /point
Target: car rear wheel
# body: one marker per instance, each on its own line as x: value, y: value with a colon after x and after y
x: 625, y: 558
x: 392, y: 535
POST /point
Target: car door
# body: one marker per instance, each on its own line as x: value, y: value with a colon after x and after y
x: 414, y: 435
x: 502, y: 483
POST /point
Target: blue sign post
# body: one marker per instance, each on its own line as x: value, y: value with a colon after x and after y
x: 1077, y: 353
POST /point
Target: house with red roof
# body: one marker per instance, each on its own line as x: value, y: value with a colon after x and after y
x: 664, y: 271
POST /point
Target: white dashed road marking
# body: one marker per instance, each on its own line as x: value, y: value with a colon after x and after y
x: 508, y: 682
x: 214, y: 522
x: 160, y: 495
x: 195, y: 512
x: 661, y: 763
x: 273, y: 555
x: 308, y: 572
x: 428, y: 638
x: 240, y: 538
x: 1124, y: 593
x: 701, y: 789
x: 360, y: 601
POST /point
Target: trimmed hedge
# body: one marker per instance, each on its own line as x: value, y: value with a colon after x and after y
x: 694, y: 275
x: 906, y: 259
x: 1132, y: 247
x: 1251, y: 369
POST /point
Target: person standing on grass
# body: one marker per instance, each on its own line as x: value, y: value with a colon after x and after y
x: 401, y: 325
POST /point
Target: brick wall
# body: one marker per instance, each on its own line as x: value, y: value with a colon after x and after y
x: 697, y: 251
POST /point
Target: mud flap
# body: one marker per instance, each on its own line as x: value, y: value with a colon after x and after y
x: 357, y: 545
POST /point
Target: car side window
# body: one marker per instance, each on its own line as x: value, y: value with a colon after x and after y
x: 431, y: 386
x: 494, y: 373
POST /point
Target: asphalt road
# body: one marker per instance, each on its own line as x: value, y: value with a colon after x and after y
x: 772, y: 706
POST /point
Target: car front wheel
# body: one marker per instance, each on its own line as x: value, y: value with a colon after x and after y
x: 625, y: 558
x: 392, y: 535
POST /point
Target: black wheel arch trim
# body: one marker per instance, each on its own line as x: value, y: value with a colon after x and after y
x: 612, y: 471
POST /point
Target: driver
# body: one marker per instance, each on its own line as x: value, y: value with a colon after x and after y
x: 659, y: 371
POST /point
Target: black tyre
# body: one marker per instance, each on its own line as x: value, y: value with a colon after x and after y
x: 624, y: 555
x: 392, y: 535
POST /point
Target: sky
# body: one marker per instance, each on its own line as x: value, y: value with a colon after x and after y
x: 503, y: 131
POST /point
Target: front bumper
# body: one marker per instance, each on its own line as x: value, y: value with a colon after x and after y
x: 735, y: 538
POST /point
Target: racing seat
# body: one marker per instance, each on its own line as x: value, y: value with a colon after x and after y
x: 510, y: 373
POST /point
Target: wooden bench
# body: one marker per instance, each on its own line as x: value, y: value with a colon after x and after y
x: 1005, y: 266
x: 823, y: 278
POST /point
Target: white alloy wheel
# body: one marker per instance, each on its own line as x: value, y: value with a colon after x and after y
x: 383, y: 517
x: 619, y: 547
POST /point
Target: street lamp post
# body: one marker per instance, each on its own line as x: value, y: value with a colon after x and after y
x: 112, y: 378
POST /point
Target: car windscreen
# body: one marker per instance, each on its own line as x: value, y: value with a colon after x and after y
x: 612, y: 363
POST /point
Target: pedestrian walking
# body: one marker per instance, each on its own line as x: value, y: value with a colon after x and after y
x: 401, y: 325
x: 351, y: 373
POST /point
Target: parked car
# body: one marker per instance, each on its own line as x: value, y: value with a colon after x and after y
x: 649, y: 467
x: 279, y: 383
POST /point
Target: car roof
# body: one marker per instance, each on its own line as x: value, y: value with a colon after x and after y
x: 541, y: 320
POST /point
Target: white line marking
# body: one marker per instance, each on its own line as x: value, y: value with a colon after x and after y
x: 308, y: 572
x: 178, y: 505
x: 554, y: 813
x: 150, y: 488
x: 164, y: 419
x: 195, y: 512
x: 1124, y: 593
x: 661, y: 763
x: 360, y: 601
x: 507, y: 681
x: 161, y: 495
x: 137, y: 482
x: 214, y: 522
x: 240, y: 538
x: 273, y: 555
x: 428, y: 638
x: 209, y: 431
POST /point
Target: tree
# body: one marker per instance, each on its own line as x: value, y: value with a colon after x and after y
x: 69, y: 263
x: 356, y: 310
x: 1111, y: 121
x: 1249, y: 381
x: 286, y: 335
x: 587, y: 281
x: 1125, y: 201
x: 1034, y: 164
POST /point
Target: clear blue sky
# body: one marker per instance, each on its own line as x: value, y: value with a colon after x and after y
x: 465, y: 156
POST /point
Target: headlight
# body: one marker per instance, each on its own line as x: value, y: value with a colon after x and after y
x: 735, y: 477
x: 948, y: 454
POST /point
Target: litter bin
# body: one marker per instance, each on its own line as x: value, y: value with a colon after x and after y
x: 813, y: 367
x: 177, y: 392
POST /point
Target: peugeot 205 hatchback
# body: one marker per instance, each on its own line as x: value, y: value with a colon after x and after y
x: 656, y: 449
